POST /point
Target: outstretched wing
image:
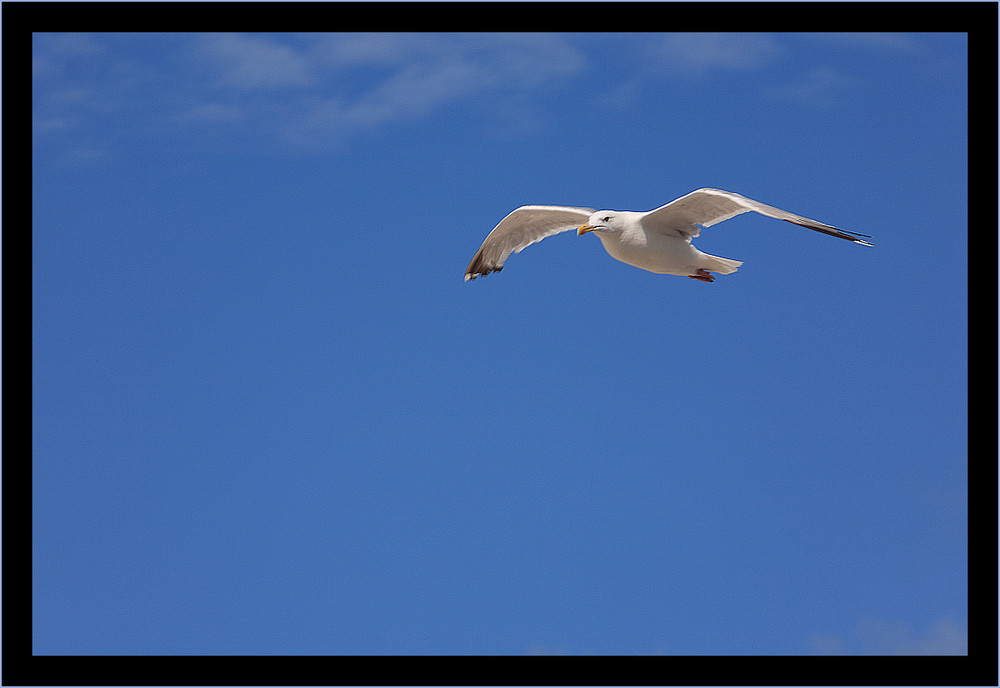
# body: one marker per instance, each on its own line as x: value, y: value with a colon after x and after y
x: 706, y: 207
x: 523, y: 227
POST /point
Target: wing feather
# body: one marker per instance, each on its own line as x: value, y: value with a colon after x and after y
x: 706, y: 207
x: 520, y: 229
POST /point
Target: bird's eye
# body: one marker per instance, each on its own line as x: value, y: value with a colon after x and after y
x: 606, y: 219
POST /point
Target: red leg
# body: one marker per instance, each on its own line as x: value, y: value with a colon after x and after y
x: 703, y: 275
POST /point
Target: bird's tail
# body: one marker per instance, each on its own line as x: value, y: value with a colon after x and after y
x: 723, y: 266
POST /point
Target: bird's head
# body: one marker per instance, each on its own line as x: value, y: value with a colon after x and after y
x: 601, y: 221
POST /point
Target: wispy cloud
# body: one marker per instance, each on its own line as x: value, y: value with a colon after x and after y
x: 879, y: 637
x: 316, y: 91
x: 706, y: 56
x: 307, y: 90
x: 819, y: 87
x: 696, y: 55
x: 944, y: 637
x: 871, y: 39
x: 408, y: 77
x: 253, y: 62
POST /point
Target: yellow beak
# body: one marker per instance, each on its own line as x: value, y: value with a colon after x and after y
x: 583, y: 229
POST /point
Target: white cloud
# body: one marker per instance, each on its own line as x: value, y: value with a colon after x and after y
x: 879, y: 637
x: 695, y: 55
x: 84, y: 156
x: 544, y: 649
x: 818, y: 87
x: 311, y: 91
x: 374, y: 81
x: 51, y: 124
x: 416, y: 89
x: 253, y: 62
x: 305, y: 89
x: 871, y: 39
x: 944, y: 637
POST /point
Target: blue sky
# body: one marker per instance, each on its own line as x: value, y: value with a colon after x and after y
x: 270, y: 417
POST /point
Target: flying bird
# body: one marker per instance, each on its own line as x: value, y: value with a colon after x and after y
x: 658, y: 240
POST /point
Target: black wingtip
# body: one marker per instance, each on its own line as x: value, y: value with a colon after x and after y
x: 857, y: 234
x: 830, y: 230
x: 471, y: 275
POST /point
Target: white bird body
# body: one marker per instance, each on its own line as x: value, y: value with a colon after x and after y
x: 665, y: 254
x: 658, y: 240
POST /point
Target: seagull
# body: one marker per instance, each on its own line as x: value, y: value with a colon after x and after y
x: 658, y: 240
